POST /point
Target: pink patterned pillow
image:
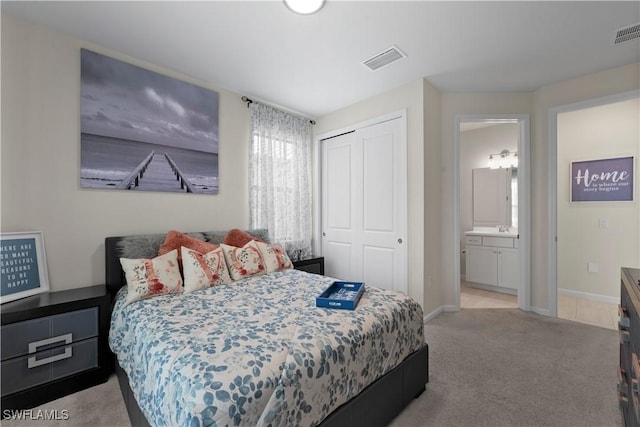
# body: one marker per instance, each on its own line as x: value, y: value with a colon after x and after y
x: 150, y: 277
x: 176, y: 240
x: 245, y: 261
x: 275, y: 258
x: 238, y: 238
x: 203, y: 270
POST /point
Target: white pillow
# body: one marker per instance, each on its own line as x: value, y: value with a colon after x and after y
x: 245, y: 261
x: 275, y: 257
x: 150, y: 277
x: 203, y: 270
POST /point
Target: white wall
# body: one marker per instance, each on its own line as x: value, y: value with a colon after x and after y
x: 607, y: 131
x: 40, y: 157
x: 454, y: 104
x: 434, y: 291
x: 40, y: 174
x: 537, y: 104
x: 592, y: 86
x: 475, y: 147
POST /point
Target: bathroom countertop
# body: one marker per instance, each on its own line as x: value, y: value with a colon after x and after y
x: 492, y: 232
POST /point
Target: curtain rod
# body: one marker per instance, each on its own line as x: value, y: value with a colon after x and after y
x: 250, y: 101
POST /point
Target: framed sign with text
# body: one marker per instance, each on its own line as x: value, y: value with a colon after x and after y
x: 603, y: 180
x: 23, y: 265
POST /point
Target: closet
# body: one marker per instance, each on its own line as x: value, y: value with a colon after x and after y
x: 364, y: 205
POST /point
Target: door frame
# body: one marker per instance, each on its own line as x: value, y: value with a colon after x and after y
x: 317, y: 179
x: 552, y: 191
x: 524, y: 198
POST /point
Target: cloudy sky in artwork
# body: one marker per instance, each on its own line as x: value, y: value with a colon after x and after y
x: 123, y: 101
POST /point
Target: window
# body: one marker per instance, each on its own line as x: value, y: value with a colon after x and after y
x: 280, y: 177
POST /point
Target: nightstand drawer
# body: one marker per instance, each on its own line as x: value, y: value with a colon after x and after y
x: 40, y: 333
x: 25, y: 372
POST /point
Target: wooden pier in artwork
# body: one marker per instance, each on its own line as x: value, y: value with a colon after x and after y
x: 157, y: 172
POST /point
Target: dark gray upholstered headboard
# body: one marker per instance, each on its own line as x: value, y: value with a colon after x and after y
x: 147, y: 246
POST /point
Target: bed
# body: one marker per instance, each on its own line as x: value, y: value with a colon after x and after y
x: 258, y: 352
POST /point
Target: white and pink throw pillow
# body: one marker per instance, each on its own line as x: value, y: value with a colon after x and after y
x: 275, y: 257
x: 203, y: 270
x: 150, y: 277
x: 245, y: 261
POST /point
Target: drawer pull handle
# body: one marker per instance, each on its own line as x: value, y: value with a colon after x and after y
x: 625, y: 336
x: 622, y: 389
x: 621, y: 310
x: 625, y: 322
x: 33, y: 348
x: 33, y: 363
x: 624, y: 400
x: 621, y: 374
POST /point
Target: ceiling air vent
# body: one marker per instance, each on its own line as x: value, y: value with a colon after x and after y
x: 628, y: 33
x: 386, y: 57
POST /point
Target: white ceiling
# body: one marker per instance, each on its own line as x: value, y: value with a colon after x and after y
x: 313, y: 64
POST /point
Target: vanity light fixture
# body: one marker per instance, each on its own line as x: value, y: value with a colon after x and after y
x: 304, y: 7
x: 503, y: 159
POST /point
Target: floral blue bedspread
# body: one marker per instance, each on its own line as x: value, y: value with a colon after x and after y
x: 258, y: 351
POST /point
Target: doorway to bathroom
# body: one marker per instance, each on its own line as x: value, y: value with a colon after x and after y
x: 492, y: 211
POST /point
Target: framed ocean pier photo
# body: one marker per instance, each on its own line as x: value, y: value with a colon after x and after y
x: 143, y: 131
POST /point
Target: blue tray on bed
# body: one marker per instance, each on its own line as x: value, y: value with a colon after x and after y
x: 344, y: 295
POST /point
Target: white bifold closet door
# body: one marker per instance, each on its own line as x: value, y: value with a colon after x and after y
x: 364, y: 206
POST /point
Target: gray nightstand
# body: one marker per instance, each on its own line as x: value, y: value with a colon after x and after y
x: 54, y: 344
x: 311, y: 265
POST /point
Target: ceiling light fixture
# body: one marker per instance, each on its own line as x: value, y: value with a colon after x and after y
x: 304, y: 7
x: 503, y: 159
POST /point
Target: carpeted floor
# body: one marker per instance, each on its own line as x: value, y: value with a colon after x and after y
x: 488, y: 367
x: 505, y: 367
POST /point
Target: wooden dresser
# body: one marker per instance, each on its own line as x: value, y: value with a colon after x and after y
x: 629, y: 330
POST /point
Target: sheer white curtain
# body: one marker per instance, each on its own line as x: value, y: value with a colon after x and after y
x: 280, y: 177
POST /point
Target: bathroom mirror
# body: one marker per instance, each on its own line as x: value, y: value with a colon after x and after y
x: 492, y: 196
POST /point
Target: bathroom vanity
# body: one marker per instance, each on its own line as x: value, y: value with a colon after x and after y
x: 492, y: 260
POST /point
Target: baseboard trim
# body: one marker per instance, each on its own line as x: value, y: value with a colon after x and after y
x: 589, y: 296
x: 491, y: 288
x: 541, y: 311
x: 428, y: 317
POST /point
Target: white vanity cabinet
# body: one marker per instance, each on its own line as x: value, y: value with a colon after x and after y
x: 492, y: 260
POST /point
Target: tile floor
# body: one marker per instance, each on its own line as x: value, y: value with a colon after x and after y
x: 596, y: 313
x: 479, y: 298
